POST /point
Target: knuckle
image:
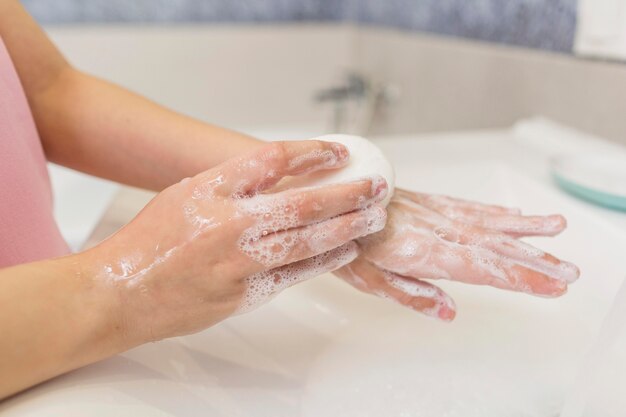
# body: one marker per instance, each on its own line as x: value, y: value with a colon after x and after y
x: 310, y: 207
x: 278, y: 152
x: 299, y: 250
x: 304, y: 209
x: 319, y: 144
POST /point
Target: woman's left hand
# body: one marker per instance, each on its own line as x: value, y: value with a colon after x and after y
x: 437, y: 237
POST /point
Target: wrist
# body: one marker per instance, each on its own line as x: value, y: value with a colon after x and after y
x: 104, y: 320
x: 60, y: 317
x: 120, y: 279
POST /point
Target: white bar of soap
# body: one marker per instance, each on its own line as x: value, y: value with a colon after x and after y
x: 366, y: 160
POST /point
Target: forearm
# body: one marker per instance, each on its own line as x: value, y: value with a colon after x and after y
x: 55, y: 318
x: 96, y: 127
x: 104, y: 130
x: 36, y: 59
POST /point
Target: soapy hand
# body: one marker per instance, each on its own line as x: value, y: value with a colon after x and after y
x: 437, y: 237
x: 220, y: 243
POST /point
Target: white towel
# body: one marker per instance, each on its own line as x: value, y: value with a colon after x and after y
x: 601, y: 30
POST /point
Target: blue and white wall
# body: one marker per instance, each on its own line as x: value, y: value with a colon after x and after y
x: 542, y: 24
x: 227, y: 73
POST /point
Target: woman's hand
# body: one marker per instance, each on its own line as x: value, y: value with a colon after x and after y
x: 218, y: 243
x: 203, y: 249
x: 436, y: 237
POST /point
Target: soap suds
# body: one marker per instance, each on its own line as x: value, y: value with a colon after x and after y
x: 262, y: 286
x: 261, y: 241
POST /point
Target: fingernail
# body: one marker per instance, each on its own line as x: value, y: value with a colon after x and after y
x: 340, y: 151
x: 556, y: 290
x: 441, y: 310
x: 559, y: 221
x: 552, y: 224
x: 379, y: 187
x: 571, y: 272
x: 444, y: 309
x: 446, y: 314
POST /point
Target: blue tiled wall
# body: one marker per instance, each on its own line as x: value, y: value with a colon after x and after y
x: 545, y: 24
x: 68, y: 11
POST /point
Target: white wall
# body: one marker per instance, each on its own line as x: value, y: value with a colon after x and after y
x: 238, y: 76
x: 250, y: 76
x: 451, y: 84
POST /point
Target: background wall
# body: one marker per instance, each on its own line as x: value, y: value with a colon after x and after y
x: 543, y: 24
x: 228, y: 73
x: 452, y: 84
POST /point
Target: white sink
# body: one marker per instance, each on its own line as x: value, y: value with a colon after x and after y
x: 323, y: 349
x: 80, y: 200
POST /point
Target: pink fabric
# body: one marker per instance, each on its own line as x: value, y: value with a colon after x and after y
x: 28, y: 231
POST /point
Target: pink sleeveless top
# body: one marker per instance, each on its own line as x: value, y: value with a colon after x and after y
x: 28, y: 231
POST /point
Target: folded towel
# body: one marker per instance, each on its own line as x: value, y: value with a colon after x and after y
x: 601, y: 30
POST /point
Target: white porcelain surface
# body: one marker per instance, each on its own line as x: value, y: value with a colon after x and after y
x: 323, y: 349
x: 80, y: 200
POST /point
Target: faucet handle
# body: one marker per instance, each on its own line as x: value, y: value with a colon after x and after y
x: 354, y: 86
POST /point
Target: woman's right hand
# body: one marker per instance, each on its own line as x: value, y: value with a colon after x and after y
x: 219, y: 243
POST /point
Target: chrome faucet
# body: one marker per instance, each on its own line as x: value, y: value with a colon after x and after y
x: 355, y: 102
x: 354, y: 87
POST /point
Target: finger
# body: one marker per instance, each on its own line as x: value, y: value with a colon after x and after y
x: 408, y: 292
x: 513, y: 225
x: 412, y: 293
x: 287, y: 246
x: 313, y: 205
x: 504, y: 246
x: 469, y: 263
x: 534, y: 258
x: 481, y: 266
x: 530, y: 281
x: 502, y: 219
x: 262, y: 286
x: 442, y: 203
x: 508, y: 275
x: 263, y: 168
